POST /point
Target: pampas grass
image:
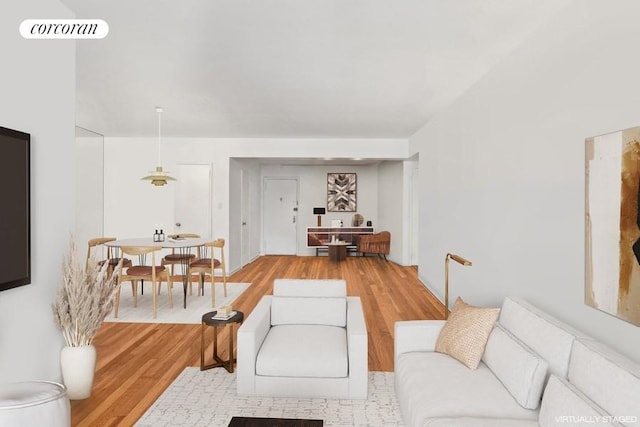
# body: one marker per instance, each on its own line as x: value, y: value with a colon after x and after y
x: 85, y: 297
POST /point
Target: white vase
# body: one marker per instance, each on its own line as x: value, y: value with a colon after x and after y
x: 78, y: 368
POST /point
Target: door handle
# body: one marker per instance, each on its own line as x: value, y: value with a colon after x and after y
x: 244, y: 223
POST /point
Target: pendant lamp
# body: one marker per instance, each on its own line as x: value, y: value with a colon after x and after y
x: 159, y: 177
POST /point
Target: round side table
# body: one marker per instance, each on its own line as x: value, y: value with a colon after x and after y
x: 208, y: 320
x: 337, y: 251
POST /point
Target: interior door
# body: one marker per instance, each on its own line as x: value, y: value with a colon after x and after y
x: 192, y: 206
x: 280, y: 216
x: 247, y: 226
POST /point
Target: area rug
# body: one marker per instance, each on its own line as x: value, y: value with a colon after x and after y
x: 197, y: 305
x: 209, y: 398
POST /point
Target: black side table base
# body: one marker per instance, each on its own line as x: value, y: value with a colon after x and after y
x: 217, y: 360
x: 220, y: 364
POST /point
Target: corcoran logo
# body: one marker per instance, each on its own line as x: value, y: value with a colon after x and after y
x: 64, y: 29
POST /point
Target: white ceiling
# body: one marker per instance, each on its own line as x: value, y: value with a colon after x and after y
x: 289, y: 68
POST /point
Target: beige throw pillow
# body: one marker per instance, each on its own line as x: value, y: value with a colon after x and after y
x: 466, y: 332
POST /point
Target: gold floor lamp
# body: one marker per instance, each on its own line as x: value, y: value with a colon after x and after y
x: 459, y: 260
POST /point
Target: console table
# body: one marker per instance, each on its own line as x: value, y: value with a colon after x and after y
x: 318, y: 238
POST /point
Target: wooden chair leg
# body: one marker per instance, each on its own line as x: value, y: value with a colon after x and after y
x: 155, y: 302
x: 117, y: 304
x: 224, y: 281
x: 169, y: 290
x: 213, y: 291
x: 134, y: 290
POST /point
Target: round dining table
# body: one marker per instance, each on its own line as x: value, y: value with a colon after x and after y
x: 182, y: 245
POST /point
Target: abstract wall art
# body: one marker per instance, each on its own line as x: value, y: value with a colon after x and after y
x: 612, y: 224
x: 341, y: 192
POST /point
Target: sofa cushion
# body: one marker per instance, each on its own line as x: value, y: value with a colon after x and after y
x: 607, y: 378
x: 308, y: 311
x: 304, y: 351
x: 521, y: 370
x: 564, y: 404
x: 432, y: 385
x: 310, y: 287
x: 548, y: 337
x: 466, y: 331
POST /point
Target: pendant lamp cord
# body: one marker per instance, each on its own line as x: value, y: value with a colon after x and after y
x: 159, y: 110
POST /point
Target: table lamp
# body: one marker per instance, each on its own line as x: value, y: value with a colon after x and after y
x: 319, y: 212
x: 459, y: 260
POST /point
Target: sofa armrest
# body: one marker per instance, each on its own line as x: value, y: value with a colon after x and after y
x: 250, y: 337
x: 358, y: 349
x: 416, y: 335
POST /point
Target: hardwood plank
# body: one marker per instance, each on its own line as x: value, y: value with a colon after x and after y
x: 138, y: 361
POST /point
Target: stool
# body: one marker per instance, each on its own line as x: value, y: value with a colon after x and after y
x: 34, y: 403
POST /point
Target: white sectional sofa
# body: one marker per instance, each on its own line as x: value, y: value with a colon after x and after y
x: 307, y: 340
x: 536, y: 371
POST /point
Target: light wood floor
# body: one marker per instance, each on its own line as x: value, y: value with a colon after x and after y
x: 137, y: 361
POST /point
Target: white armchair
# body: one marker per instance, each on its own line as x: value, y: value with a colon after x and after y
x: 308, y: 339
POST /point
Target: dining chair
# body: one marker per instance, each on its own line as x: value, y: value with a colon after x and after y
x: 174, y: 258
x: 113, y: 261
x: 137, y: 273
x: 206, y: 266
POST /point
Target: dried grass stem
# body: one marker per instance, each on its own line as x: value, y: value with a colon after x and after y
x: 85, y: 297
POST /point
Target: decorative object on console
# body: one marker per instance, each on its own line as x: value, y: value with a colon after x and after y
x: 612, y: 218
x: 459, y: 260
x: 319, y: 212
x: 357, y: 220
x: 84, y: 299
x: 341, y: 192
x: 159, y: 177
x: 466, y: 332
x: 369, y: 223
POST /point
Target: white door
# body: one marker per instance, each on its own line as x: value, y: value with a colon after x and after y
x: 192, y: 206
x: 246, y: 228
x: 280, y: 216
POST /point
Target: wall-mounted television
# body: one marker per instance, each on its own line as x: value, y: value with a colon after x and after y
x: 15, y: 209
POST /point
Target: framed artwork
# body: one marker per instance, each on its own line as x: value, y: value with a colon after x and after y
x: 612, y: 224
x: 341, y: 192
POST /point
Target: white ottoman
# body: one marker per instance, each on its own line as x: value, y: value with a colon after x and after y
x: 34, y: 403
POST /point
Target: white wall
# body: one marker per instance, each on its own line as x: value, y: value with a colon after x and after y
x: 502, y: 170
x: 38, y: 97
x: 391, y: 206
x: 312, y: 181
x: 133, y: 207
x: 411, y: 202
x: 89, y: 188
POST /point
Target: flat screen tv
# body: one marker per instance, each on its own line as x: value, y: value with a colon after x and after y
x: 15, y: 209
